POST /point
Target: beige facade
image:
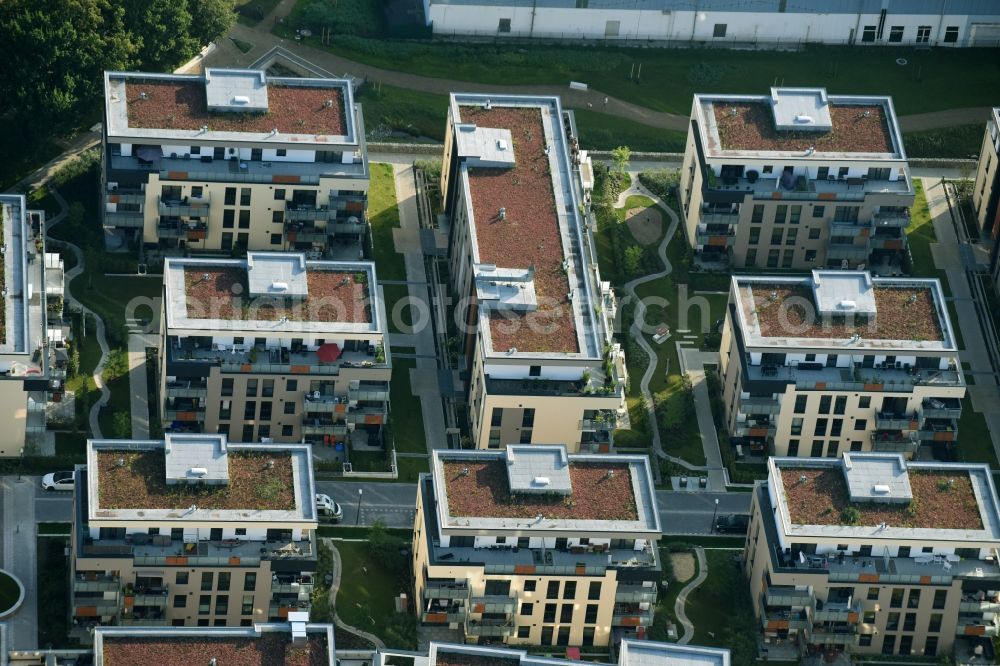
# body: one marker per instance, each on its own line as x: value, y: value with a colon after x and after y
x: 552, y: 582
x: 189, y: 566
x: 986, y: 190
x: 809, y: 396
x: 871, y: 590
x: 171, y: 184
x: 771, y: 204
x: 268, y: 380
x: 542, y: 363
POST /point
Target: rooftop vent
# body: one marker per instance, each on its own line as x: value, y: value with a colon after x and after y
x: 241, y: 99
x: 143, y: 95
x: 847, y: 304
x: 270, y: 464
x: 804, y: 119
x: 199, y: 472
x: 204, y: 128
x: 810, y: 150
x: 328, y: 103
x: 803, y: 478
x: 212, y: 662
x: 120, y: 462
x: 610, y: 474
x: 881, y: 489
x: 279, y: 286
x: 488, y: 105
x: 501, y: 144
x: 541, y: 481
x: 464, y: 472
x: 512, y: 350
x: 503, y: 214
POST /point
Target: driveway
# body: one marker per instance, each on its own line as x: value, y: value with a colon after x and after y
x: 691, y: 512
x: 392, y: 503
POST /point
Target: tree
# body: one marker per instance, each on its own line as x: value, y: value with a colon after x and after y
x: 633, y: 260
x: 121, y: 425
x: 621, y: 157
x: 210, y: 19
x: 161, y: 29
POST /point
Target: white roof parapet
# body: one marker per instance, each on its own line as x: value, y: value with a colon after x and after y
x: 844, y: 292
x: 196, y: 458
x: 506, y: 288
x: 878, y: 477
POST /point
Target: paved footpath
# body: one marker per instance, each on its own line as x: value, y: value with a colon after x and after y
x: 137, y: 382
x: 19, y: 558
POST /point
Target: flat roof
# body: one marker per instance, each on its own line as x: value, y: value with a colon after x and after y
x: 198, y: 478
x: 523, y: 211
x: 264, y: 644
x: 500, y: 490
x: 850, y: 310
x: 16, y: 290
x: 272, y: 292
x: 631, y: 653
x: 827, y: 497
x: 229, y: 105
x: 804, y: 123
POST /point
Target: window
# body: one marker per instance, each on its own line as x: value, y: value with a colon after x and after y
x: 896, y: 33
x: 796, y: 215
x: 793, y: 447
x: 951, y: 34
x: 550, y: 613
x: 226, y: 410
x: 250, y: 582
x: 245, y: 196
x: 230, y: 196
x: 289, y: 407
x: 940, y: 597
x: 892, y: 622
x: 923, y: 34
x: 780, y: 213
x: 833, y: 450
x: 800, y: 404
x: 566, y: 613
x: 181, y: 578
x: 817, y: 448
x: 719, y: 30
x: 754, y: 236
x: 772, y: 258
x: 529, y: 585
x: 934, y: 624
x: 277, y: 216
x: 275, y: 239
x: 527, y: 608
x: 227, y: 386
x: 222, y: 604
x: 569, y: 590
x: 206, y: 580
x: 268, y: 388
x: 528, y: 421
x: 588, y: 636
x: 909, y: 622
x: 820, y: 429
x: 250, y: 410
x: 840, y: 405
x: 796, y: 426
x: 896, y: 601
x: 814, y: 233
x: 835, y: 427
x: 265, y: 410
x: 873, y: 593
x: 594, y: 593
x: 751, y: 259
x: 180, y: 601
x: 535, y: 371
x: 279, y: 195
x: 822, y: 173
x: 819, y: 211
x: 865, y: 402
x: 227, y: 240
x: 590, y: 617
x: 768, y: 168
x: 244, y: 219
x: 524, y: 632
x: 503, y: 25
x: 204, y: 605
x: 913, y: 600
x: 553, y: 590
x: 869, y: 617
x: 791, y: 236
x: 758, y: 214
x: 824, y: 404
x: 777, y: 236
x: 865, y: 640
x: 228, y: 218
x: 786, y: 258
x: 241, y: 531
x: 930, y: 646
x: 195, y: 150
x: 256, y: 154
x: 281, y: 152
x: 291, y: 384
x: 251, y: 388
x: 286, y: 431
x: 869, y: 36
x: 861, y: 424
x: 810, y: 256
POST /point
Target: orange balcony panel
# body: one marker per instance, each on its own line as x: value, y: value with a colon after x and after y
x: 373, y: 419
x: 975, y: 630
x: 284, y: 179
x: 524, y: 568
x: 300, y: 369
x: 436, y: 618
x: 775, y: 625
x: 177, y: 175
x: 868, y: 578
x: 86, y: 611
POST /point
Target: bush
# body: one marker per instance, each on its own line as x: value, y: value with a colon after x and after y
x: 89, y: 159
x: 661, y: 182
x: 850, y: 515
x: 431, y: 169
x: 677, y: 409
x: 387, y: 551
x: 121, y: 426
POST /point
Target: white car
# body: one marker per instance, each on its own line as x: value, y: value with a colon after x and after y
x: 58, y: 481
x: 327, y: 509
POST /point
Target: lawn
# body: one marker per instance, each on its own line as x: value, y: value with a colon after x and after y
x: 367, y: 589
x: 932, y: 80
x: 407, y: 421
x: 55, y: 529
x: 721, y: 609
x: 252, y: 12
x: 974, y: 441
x: 242, y: 45
x: 410, y: 469
x: 920, y: 234
x: 383, y: 214
x: 957, y: 142
x: 72, y: 445
x: 53, y: 592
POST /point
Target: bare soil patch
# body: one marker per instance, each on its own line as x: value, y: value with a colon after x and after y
x: 646, y: 224
x: 683, y: 566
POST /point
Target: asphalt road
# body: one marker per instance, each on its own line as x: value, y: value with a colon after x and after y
x: 51, y: 507
x: 393, y: 503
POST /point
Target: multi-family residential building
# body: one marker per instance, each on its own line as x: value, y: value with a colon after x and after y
x: 723, y: 22
x: 296, y: 642
x: 192, y: 530
x: 835, y: 361
x: 796, y: 179
x: 631, y: 653
x: 986, y: 190
x: 542, y: 364
x: 235, y: 160
x: 26, y: 356
x: 275, y: 346
x: 532, y: 545
x: 872, y: 554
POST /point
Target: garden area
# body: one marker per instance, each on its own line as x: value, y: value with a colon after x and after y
x: 721, y: 609
x: 53, y: 600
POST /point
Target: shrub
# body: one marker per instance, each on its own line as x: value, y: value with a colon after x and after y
x: 661, y: 182
x: 850, y: 515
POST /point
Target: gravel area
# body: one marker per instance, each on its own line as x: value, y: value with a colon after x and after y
x: 683, y: 566
x: 268, y: 650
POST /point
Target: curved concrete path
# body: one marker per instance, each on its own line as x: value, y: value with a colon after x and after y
x: 682, y: 596
x: 334, y: 588
x: 95, y: 409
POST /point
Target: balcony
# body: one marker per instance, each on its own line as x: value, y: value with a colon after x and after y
x: 283, y: 608
x: 635, y: 594
x: 298, y: 588
x: 186, y: 207
x: 971, y: 605
x: 303, y: 213
x: 154, y: 600
x: 856, y: 378
x: 836, y: 612
x: 225, y: 553
x: 890, y: 421
x: 324, y: 404
x: 938, y: 432
x: 320, y: 427
x: 846, y: 251
x: 185, y: 415
x: 944, y: 408
x: 887, y: 442
x: 96, y: 583
x: 446, y: 591
x: 782, y: 595
x: 847, y: 189
x: 493, y: 603
x: 716, y: 240
x: 194, y: 169
x: 757, y: 430
x: 271, y: 361
x: 767, y: 406
x: 779, y: 620
x: 632, y: 618
x: 349, y: 201
x: 975, y: 625
x: 144, y: 622
x: 443, y: 617
x: 186, y: 390
x: 125, y: 196
x: 366, y: 415
x: 833, y: 636
x: 370, y: 392
x: 719, y: 216
x: 489, y: 628
x: 850, y: 228
x: 889, y: 238
x: 189, y: 231
x: 899, y: 218
x: 95, y: 610
x: 125, y: 219
x: 302, y: 233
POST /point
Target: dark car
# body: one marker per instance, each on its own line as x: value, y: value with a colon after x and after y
x: 733, y: 522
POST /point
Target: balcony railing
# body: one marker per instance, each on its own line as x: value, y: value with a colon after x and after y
x: 941, y: 413
x: 884, y: 444
x: 900, y: 219
x: 366, y: 415
x: 840, y: 251
x: 126, y: 219
x: 94, y: 610
x: 635, y: 594
x: 489, y: 628
x: 975, y: 626
x: 309, y: 213
x: 445, y: 591
x: 784, y: 620
x: 187, y: 415
x: 443, y: 617
x: 125, y: 196
x: 833, y: 637
x: 938, y: 434
x: 788, y: 596
x: 493, y: 603
x: 637, y: 618
x: 759, y: 406
x: 716, y: 239
x: 186, y: 391
x: 371, y: 393
x: 313, y: 428
x: 890, y: 421
x: 292, y: 588
x: 157, y: 600
x: 144, y: 622
x: 837, y: 612
x: 984, y: 606
x: 190, y: 208
x: 102, y: 584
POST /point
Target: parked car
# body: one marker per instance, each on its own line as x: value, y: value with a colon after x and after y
x: 327, y: 510
x: 58, y: 481
x: 733, y: 522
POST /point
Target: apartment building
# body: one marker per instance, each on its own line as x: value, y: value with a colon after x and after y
x: 721, y: 22
x: 28, y: 376
x: 797, y: 179
x: 192, y: 530
x: 986, y: 190
x: 296, y: 642
x: 631, y: 653
x: 532, y: 545
x: 542, y: 364
x: 873, y: 554
x: 275, y: 347
x: 836, y: 361
x: 235, y: 160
